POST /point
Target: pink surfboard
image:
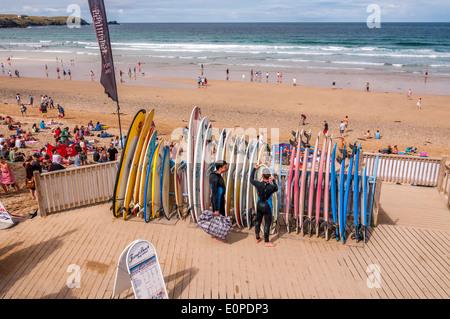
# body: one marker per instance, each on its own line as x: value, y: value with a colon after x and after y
x: 297, y: 174
x: 327, y: 187
x: 289, y: 187
x: 311, y: 184
x: 319, y: 184
x: 301, y: 208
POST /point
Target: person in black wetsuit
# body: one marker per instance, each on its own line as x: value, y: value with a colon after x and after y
x: 265, y: 189
x: 217, y: 184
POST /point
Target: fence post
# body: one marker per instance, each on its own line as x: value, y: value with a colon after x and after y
x: 441, y: 174
x: 39, y: 195
x: 376, y: 201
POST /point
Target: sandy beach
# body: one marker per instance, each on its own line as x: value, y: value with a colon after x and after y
x: 246, y: 107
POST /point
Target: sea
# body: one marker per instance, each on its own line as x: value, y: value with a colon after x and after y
x: 308, y: 51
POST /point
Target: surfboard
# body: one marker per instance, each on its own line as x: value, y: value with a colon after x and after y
x: 201, y: 134
x: 356, y: 193
x: 156, y: 179
x: 296, y: 180
x: 346, y: 197
x: 148, y: 155
x: 251, y: 208
x: 333, y: 192
x: 326, y: 198
x: 365, y: 189
x: 179, y: 174
x: 140, y: 172
x: 341, y: 196
x: 237, y: 181
x: 165, y: 183
x: 231, y: 160
x: 205, y: 170
x: 220, y: 145
x: 244, y: 184
x: 302, y: 191
x: 312, y: 187
x: 126, y: 158
x: 191, y: 143
x: 290, y: 179
x: 147, y: 204
x: 320, y: 186
x: 134, y: 164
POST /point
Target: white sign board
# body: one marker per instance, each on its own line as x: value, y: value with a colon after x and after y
x: 139, y: 267
x: 5, y: 218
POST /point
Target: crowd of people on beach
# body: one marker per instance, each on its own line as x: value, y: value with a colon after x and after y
x: 70, y: 146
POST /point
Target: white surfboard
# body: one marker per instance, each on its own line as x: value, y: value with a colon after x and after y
x: 191, y: 143
x: 205, y: 170
x: 197, y: 166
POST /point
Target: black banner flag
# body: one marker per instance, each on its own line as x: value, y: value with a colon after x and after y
x: 108, y: 78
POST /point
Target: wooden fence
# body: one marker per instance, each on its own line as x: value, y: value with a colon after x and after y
x: 406, y: 169
x: 75, y: 187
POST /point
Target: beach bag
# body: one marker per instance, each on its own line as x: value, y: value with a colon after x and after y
x: 217, y: 226
x: 29, y: 183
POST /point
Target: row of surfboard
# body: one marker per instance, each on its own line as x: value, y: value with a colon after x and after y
x: 151, y: 185
x: 322, y: 201
x: 143, y: 181
x: 241, y: 155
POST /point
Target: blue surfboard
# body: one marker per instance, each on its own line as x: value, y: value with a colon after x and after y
x: 345, y: 204
x: 341, y: 195
x: 356, y: 212
x: 165, y: 178
x: 147, y: 213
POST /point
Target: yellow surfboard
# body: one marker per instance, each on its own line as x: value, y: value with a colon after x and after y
x: 134, y: 164
x: 125, y: 161
x: 136, y: 191
x: 145, y: 165
x: 156, y: 178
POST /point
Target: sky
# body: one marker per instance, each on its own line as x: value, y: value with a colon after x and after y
x: 242, y: 10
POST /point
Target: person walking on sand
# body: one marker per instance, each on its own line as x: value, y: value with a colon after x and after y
x: 303, y: 119
x: 409, y: 95
x: 367, y: 86
x: 342, y: 128
x: 265, y: 189
x: 346, y: 123
x: 325, y: 128
x: 217, y: 184
x: 92, y: 76
x: 419, y: 104
x: 7, y: 178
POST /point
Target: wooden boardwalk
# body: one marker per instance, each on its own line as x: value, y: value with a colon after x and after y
x: 412, y: 256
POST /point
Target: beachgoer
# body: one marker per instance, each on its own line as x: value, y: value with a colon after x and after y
x: 29, y: 182
x: 265, y: 189
x: 218, y: 191
x: 367, y: 86
x: 419, y: 104
x: 342, y: 128
x: 377, y: 135
x: 409, y: 95
x: 334, y: 84
x: 31, y: 101
x: 44, y: 109
x: 23, y: 110
x: 112, y: 152
x: 103, y: 156
x: 92, y: 76
x: 346, y: 123
x: 368, y: 134
x: 325, y: 128
x: 303, y: 119
x: 7, y: 178
x: 18, y: 98
x: 60, y: 111
x: 294, y: 82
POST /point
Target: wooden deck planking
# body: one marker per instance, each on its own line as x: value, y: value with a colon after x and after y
x: 414, y: 260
